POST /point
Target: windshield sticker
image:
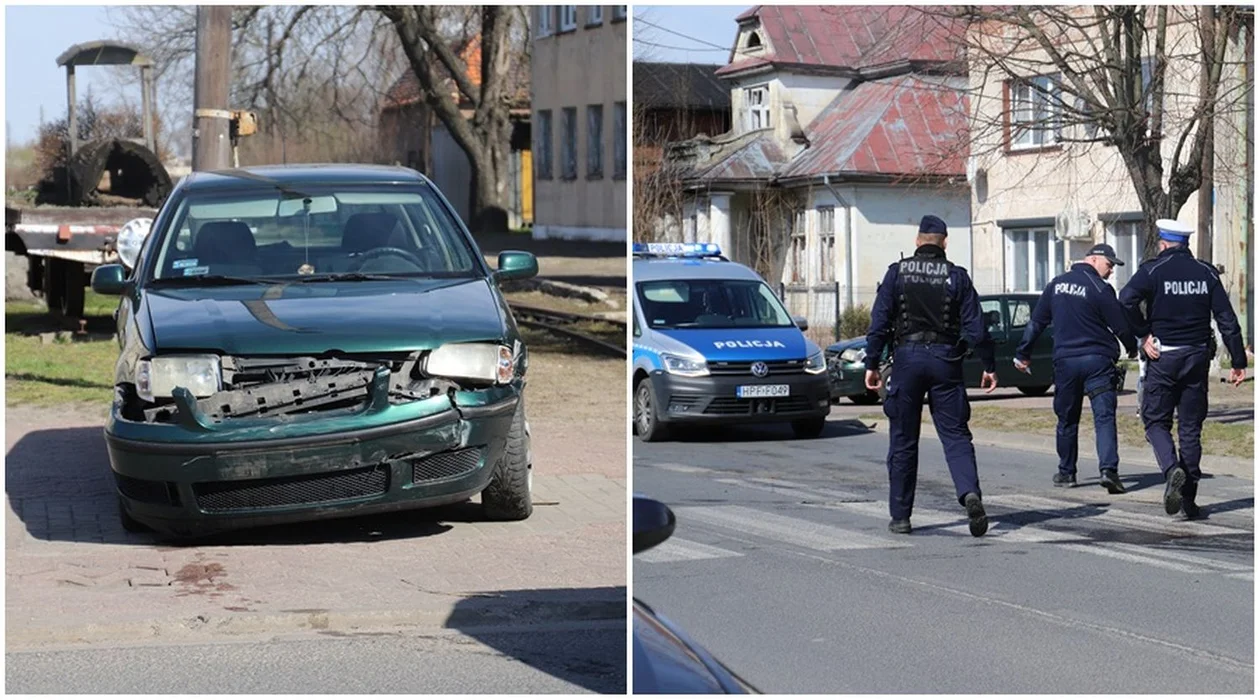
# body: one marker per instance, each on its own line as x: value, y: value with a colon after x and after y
x: 187, y: 262
x: 194, y: 271
x: 748, y: 344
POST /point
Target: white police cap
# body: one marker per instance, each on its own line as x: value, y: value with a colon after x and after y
x: 1173, y: 230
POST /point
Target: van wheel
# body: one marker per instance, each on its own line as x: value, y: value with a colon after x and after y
x: 509, y: 495
x: 809, y: 428
x: 647, y: 424
x: 129, y: 523
x: 1034, y: 390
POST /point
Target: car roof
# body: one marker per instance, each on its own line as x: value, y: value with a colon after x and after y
x: 683, y: 268
x: 303, y: 174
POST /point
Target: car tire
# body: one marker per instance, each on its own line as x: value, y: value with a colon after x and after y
x: 1034, y: 390
x: 809, y: 428
x: 129, y: 523
x: 509, y: 496
x: 867, y: 399
x: 647, y: 424
x: 885, y: 373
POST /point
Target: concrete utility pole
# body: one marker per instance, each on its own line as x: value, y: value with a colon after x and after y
x: 1207, y: 186
x: 212, y: 149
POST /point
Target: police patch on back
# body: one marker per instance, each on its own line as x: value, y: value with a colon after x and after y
x: 1185, y: 287
x: 1076, y: 290
x: 920, y: 271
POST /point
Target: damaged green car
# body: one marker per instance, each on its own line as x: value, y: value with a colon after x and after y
x: 307, y: 342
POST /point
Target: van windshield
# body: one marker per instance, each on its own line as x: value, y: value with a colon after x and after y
x: 711, y: 303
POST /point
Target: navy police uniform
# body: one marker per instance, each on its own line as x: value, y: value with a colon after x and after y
x: 1088, y: 318
x: 927, y: 307
x: 1181, y: 294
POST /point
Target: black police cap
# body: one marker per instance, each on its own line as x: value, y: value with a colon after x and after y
x: 932, y: 224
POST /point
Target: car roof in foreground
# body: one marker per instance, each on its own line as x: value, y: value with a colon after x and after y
x: 652, y: 269
x: 304, y: 174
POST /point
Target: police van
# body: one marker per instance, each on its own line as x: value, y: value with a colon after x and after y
x: 714, y: 345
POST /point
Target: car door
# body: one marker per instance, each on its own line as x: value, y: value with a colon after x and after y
x: 993, y: 314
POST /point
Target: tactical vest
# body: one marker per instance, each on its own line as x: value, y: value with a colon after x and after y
x: 928, y: 311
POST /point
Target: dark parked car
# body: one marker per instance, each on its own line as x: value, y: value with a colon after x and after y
x: 1005, y: 315
x: 666, y: 660
x: 311, y: 342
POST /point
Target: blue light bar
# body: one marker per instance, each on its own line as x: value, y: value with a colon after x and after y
x: 682, y: 250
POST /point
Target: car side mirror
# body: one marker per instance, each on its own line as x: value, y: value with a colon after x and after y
x: 516, y: 265
x: 109, y: 279
x: 801, y: 322
x: 653, y: 523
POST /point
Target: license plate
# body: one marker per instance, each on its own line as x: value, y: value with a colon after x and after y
x: 761, y: 391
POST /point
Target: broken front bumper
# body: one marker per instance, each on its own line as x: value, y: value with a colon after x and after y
x: 185, y: 479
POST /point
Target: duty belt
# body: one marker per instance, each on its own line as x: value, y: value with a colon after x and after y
x: 929, y: 337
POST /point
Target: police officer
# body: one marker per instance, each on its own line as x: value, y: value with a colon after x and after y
x: 1087, y: 321
x: 928, y: 308
x: 1181, y: 294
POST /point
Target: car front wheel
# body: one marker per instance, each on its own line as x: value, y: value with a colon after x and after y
x: 867, y: 399
x: 646, y: 423
x: 508, y: 496
x: 1034, y: 390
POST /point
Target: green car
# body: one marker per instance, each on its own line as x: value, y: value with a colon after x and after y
x: 309, y: 342
x: 1005, y: 315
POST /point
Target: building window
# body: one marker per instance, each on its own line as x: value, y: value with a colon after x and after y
x: 619, y: 140
x: 542, y: 145
x: 594, y: 15
x: 757, y: 107
x: 798, y: 251
x: 595, y: 142
x: 546, y: 21
x: 826, y: 244
x: 1126, y: 237
x: 568, y: 147
x: 1034, y: 116
x: 1033, y: 258
x: 568, y: 18
x: 754, y: 40
x: 619, y: 13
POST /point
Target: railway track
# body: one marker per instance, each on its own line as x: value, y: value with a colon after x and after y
x: 560, y: 322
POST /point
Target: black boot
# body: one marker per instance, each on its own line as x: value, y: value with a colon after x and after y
x: 1173, y: 481
x: 1110, y: 480
x: 1064, y: 480
x: 979, y: 522
x: 899, y: 527
x: 1188, y: 494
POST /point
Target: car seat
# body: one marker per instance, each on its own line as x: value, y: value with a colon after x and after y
x: 227, y: 247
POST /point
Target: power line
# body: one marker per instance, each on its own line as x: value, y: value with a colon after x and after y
x: 689, y: 38
x: 675, y: 48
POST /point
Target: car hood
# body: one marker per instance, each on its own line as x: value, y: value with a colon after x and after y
x: 346, y: 317
x: 667, y: 662
x: 735, y: 344
x: 842, y: 345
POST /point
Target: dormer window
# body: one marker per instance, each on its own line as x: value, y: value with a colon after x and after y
x: 757, y: 107
x: 754, y: 40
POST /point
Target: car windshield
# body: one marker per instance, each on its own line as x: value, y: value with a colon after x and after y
x: 711, y: 303
x: 319, y: 233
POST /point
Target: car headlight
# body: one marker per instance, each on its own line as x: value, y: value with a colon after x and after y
x: 685, y: 366
x: 158, y: 377
x: 130, y: 238
x: 853, y: 355
x: 816, y: 363
x: 485, y: 362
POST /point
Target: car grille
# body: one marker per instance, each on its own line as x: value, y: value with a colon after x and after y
x: 445, y: 465
x: 730, y: 406
x: 147, y: 491
x: 217, y: 497
x: 777, y: 368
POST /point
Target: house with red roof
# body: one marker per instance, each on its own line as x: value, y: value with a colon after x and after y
x: 848, y: 125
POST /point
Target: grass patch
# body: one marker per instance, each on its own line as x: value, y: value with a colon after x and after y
x: 48, y: 374
x: 1223, y: 439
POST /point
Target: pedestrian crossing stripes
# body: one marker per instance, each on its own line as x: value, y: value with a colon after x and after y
x: 816, y: 535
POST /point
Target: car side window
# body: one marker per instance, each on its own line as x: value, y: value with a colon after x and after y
x: 635, y: 318
x: 1021, y: 312
x: 991, y: 312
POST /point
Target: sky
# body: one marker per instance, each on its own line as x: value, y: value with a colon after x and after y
x: 685, y: 34
x: 34, y: 36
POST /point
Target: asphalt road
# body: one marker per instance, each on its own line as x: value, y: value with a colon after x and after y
x: 560, y: 658
x: 782, y: 566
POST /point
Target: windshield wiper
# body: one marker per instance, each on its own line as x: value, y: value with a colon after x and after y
x: 246, y: 175
x: 345, y: 277
x: 209, y: 281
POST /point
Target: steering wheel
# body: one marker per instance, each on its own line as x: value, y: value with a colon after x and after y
x: 387, y: 251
